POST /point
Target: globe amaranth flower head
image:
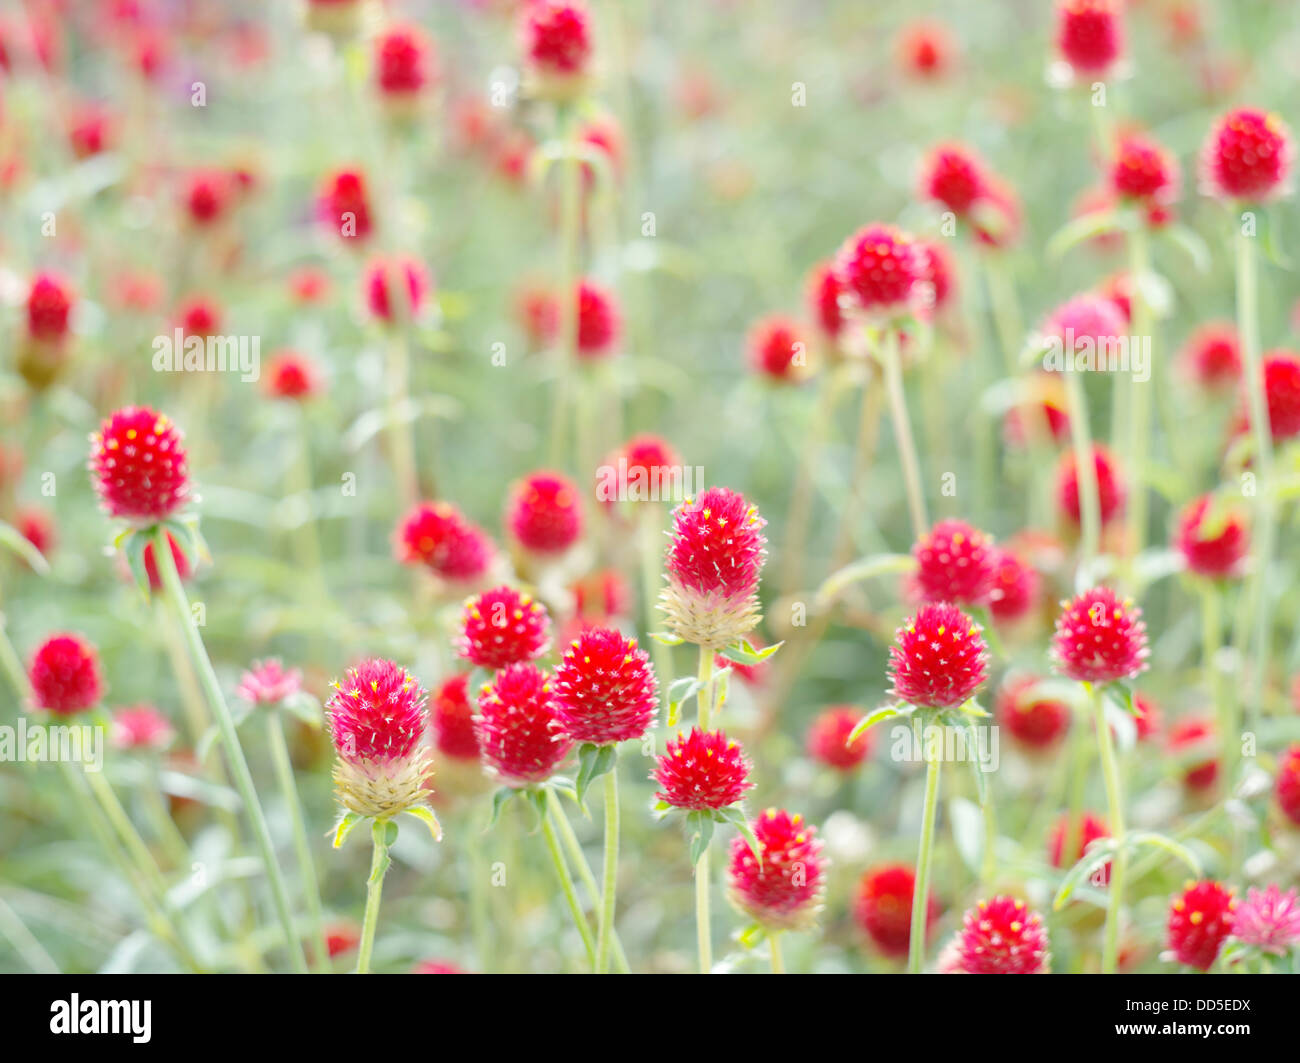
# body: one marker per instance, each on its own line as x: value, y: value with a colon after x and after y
x: 520, y: 734
x: 784, y: 890
x: 1215, y: 549
x: 343, y: 205
x: 939, y: 658
x: 954, y: 563
x: 544, y: 513
x: 138, y: 465
x: 714, y: 559
x: 1081, y: 832
x: 404, y: 63
x: 828, y: 738
x: 599, y: 321
x: 605, y: 688
x: 880, y: 271
x: 377, y: 719
x: 953, y: 176
x: 502, y: 627
x: 1111, y: 492
x: 1100, y: 638
x: 64, y: 675
x: 777, y: 350
x: 1144, y: 171
x: 141, y: 727
x: 1017, y: 587
x: 1036, y: 722
x: 1247, y: 156
x: 882, y: 907
x: 702, y: 770
x: 452, y: 718
x: 1268, y: 919
x: 1287, y: 787
x: 438, y: 535
x: 1090, y: 35
x: 1002, y: 935
x: 556, y: 40
x: 268, y: 682
x: 1200, y: 920
x: 1212, y: 356
x: 1281, y: 371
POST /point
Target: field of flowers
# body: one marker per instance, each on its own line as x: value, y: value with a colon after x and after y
x: 530, y: 486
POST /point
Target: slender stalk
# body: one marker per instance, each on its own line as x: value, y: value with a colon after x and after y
x: 1211, y: 644
x: 607, y: 902
x: 567, y: 886
x: 705, y: 697
x: 306, y: 867
x: 650, y: 548
x: 24, y: 941
x: 1085, y: 471
x: 1140, y: 412
x: 703, y: 930
x: 126, y: 832
x: 1115, y: 813
x: 921, y: 891
x: 801, y: 492
x: 1073, y: 841
x: 570, y: 226
x: 903, y: 432
x: 864, y: 450
x: 230, y: 739
x: 400, y: 430
x: 13, y: 665
x: 579, y: 859
x: 379, y: 862
x: 480, y: 923
x: 774, y: 941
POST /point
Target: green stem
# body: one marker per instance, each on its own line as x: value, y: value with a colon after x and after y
x: 400, y: 428
x: 703, y: 930
x: 230, y: 739
x: 921, y: 892
x: 566, y: 884
x: 1115, y: 812
x: 13, y: 665
x: 24, y: 942
x: 705, y: 697
x: 801, y: 492
x: 611, y: 871
x: 864, y: 448
x: 903, y: 432
x: 579, y: 859
x: 1085, y: 471
x: 379, y: 862
x: 1140, y: 412
x: 649, y: 526
x: 1211, y: 644
x: 774, y: 942
x: 570, y: 226
x: 136, y: 848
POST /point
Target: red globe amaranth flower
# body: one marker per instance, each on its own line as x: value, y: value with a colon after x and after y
x: 605, y: 688
x: 1190, y: 734
x: 1282, y: 393
x: 784, y: 891
x: 599, y: 323
x: 828, y: 738
x: 64, y: 675
x: 952, y: 176
x: 939, y: 658
x: 90, y: 131
x: 1118, y: 288
x: 1024, y: 422
x: 341, y: 938
x: 938, y: 275
x: 1212, y: 356
x: 502, y: 627
x: 206, y: 196
x: 1217, y: 551
x: 1268, y: 920
x: 1016, y: 589
x: 544, y: 513
x: 1200, y: 920
x: 36, y: 525
x: 438, y: 535
x: 538, y: 312
x: 403, y: 62
x: 702, y: 770
x: 343, y: 205
x: 777, y: 350
x: 1083, y: 832
x: 452, y: 717
x: 1037, y: 723
x: 1142, y: 170
x: 824, y: 294
x: 138, y: 465
x: 198, y: 316
x: 603, y: 134
x: 1002, y: 936
x: 388, y: 306
x: 955, y: 563
x: 555, y: 36
x: 879, y: 268
x: 883, y: 907
x: 141, y: 727
x: 1288, y: 784
x: 647, y: 469
x: 925, y: 49
x: 1100, y: 638
x: 268, y: 682
x: 601, y: 596
x: 1089, y: 35
x: 290, y: 375
x: 309, y: 285
x: 1247, y: 155
x: 49, y: 308
x: 1111, y: 492
x: 520, y: 736
x: 182, y: 563
x: 1084, y: 327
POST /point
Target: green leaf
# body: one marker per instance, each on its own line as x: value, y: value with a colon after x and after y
x: 863, y: 569
x: 593, y: 762
x: 1098, y: 855
x: 134, y: 550
x: 499, y: 800
x: 1081, y: 229
x: 1190, y: 243
x: 305, y: 708
x: 344, y: 827
x: 666, y: 639
x: 887, y: 712
x: 701, y: 826
x: 721, y: 687
x: 678, y: 691
x: 742, y: 652
x: 20, y: 545
x: 968, y: 832
x: 735, y: 815
x: 752, y: 936
x: 1138, y: 838
x: 425, y: 815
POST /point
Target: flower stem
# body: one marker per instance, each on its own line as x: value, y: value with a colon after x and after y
x: 774, y: 942
x: 611, y: 871
x: 649, y: 525
x: 1085, y: 471
x: 570, y: 226
x: 566, y: 884
x: 801, y: 492
x: 1115, y: 812
x: 379, y: 862
x: 306, y: 867
x: 703, y: 930
x: 705, y: 696
x: 230, y: 739
x: 921, y: 891
x: 400, y: 429
x: 1140, y: 409
x: 903, y: 432
x: 570, y: 840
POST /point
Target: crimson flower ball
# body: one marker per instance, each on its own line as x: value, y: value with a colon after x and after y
x: 1268, y: 919
x: 1111, y: 492
x: 955, y: 563
x: 502, y: 627
x: 452, y: 718
x: 64, y: 675
x: 544, y: 513
x: 269, y: 683
x: 883, y: 907
x: 49, y: 308
x: 343, y: 205
x: 599, y: 321
x: 879, y: 268
x: 647, y: 469
x: 141, y: 727
x: 1099, y: 638
x: 1002, y: 936
x: 438, y: 535
x: 939, y: 658
x: 605, y: 688
x: 403, y: 62
x: 824, y: 292
x: 413, y: 286
x: 1016, y: 588
x: 1247, y: 155
x: 1217, y: 551
x: 777, y: 350
x: 1200, y: 920
x: 784, y: 890
x: 520, y: 735
x: 926, y: 49
x: 1144, y: 171
x: 1087, y: 829
x: 206, y: 195
x: 138, y: 465
x: 1282, y: 393
x: 1089, y: 35
x: 290, y: 375
x: 1035, y: 722
x: 556, y: 41
x: 702, y: 770
x: 1212, y: 356
x: 179, y: 559
x: 828, y: 738
x: 1288, y: 784
x: 953, y: 177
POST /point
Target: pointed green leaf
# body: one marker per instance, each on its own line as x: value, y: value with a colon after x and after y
x: 1081, y: 229
x: 344, y: 827
x: 887, y: 712
x: 593, y: 762
x: 863, y: 569
x: 702, y: 826
x: 22, y: 546
x: 742, y: 652
x: 666, y: 638
x: 425, y: 815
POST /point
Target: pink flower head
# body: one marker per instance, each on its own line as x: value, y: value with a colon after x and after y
x: 1218, y: 551
x: 206, y: 196
x: 452, y: 717
x: 1247, y: 156
x: 1142, y: 170
x: 290, y: 375
x: 179, y: 559
x: 403, y: 62
x: 605, y: 688
x: 438, y: 535
x: 343, y: 205
x: 1287, y: 787
x: 824, y: 293
x: 1187, y: 739
x: 717, y: 544
x: 413, y: 285
x: 1099, y: 638
x: 1282, y: 393
x: 939, y: 658
x: 1036, y: 723
x: 268, y: 682
x: 1111, y: 492
x: 1200, y: 920
x: 544, y: 513
x: 1268, y: 919
x: 784, y: 890
x: 702, y: 770
x: 1082, y: 832
x: 1002, y: 936
x: 556, y: 39
x: 953, y: 177
x: 138, y: 465
x: 520, y: 734
x: 1085, y: 325
x: 955, y: 563
x: 64, y: 675
x: 926, y: 49
x: 599, y: 321
x: 502, y: 627
x: 141, y: 727
x: 1212, y: 355
x: 1017, y: 587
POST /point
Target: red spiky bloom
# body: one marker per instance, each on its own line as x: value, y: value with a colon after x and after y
x: 784, y: 891
x: 702, y: 770
x: 926, y: 49
x: 206, y: 196
x: 544, y: 513
x: 879, y: 268
x: 411, y: 281
x: 1287, y: 788
x: 955, y: 563
x: 828, y: 738
x: 1083, y: 832
x: 1282, y: 393
x: 1247, y: 155
x: 599, y: 321
x: 1002, y: 936
x: 341, y: 938
x: 1143, y: 170
x: 294, y: 376
x: 502, y: 627
x: 1084, y: 325
x: 138, y: 465
x: 824, y: 294
x: 1037, y: 723
x: 777, y: 349
x: 652, y: 457
x: 179, y: 559
x: 1189, y: 736
x: 601, y: 596
x: 1016, y: 589
x: 343, y: 205
x: 605, y: 688
x: 1212, y: 355
x: 1111, y: 492
x: 452, y: 717
x: 438, y: 535
x: 1089, y: 35
x: 1217, y: 551
x: 198, y: 315
x: 521, y: 738
x: 1200, y: 920
x: 952, y: 176
x: 938, y: 272
x: 49, y: 308
x: 268, y: 682
x: 556, y: 41
x: 883, y: 907
x: 1100, y: 638
x: 141, y: 727
x: 64, y: 675
x: 939, y: 658
x: 403, y: 62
